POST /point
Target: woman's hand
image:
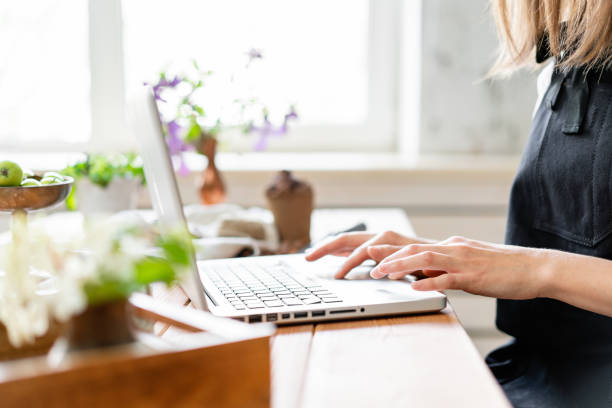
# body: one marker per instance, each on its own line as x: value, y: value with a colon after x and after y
x: 481, y: 268
x: 355, y: 246
x: 501, y: 271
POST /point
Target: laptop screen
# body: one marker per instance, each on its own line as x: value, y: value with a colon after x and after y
x: 146, y: 126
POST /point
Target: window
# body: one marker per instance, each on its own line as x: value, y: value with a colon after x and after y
x: 44, y: 74
x: 337, y: 61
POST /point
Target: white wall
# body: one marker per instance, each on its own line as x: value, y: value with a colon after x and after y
x: 459, y: 115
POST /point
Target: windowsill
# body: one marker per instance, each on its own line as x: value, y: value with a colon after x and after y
x: 358, y: 162
x: 314, y: 162
x: 480, y: 182
x: 369, y: 179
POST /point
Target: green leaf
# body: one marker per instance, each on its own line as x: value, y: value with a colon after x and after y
x: 177, y: 246
x: 102, y: 169
x: 153, y: 269
x: 71, y: 200
x: 108, y: 290
x: 175, y: 251
x: 198, y: 109
x: 194, y: 132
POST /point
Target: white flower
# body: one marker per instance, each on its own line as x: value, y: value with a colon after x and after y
x: 43, y: 278
x: 69, y: 298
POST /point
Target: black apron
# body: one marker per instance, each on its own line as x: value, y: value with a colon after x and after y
x: 561, y: 198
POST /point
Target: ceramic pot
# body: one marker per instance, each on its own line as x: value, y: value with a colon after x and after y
x: 120, y: 194
x: 212, y: 187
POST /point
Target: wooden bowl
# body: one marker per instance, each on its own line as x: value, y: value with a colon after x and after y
x: 34, y: 197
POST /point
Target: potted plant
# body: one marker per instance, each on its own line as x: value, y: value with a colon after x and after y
x: 105, y: 183
x: 119, y: 263
x: 193, y: 123
x: 83, y: 283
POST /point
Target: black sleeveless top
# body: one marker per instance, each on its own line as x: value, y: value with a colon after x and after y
x: 561, y: 199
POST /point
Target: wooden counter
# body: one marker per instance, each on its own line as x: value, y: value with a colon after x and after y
x: 411, y: 361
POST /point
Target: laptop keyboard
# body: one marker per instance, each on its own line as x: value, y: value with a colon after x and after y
x: 255, y: 286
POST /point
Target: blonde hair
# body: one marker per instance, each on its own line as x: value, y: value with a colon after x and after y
x: 521, y: 24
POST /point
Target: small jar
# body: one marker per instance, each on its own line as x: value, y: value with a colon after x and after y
x: 291, y: 201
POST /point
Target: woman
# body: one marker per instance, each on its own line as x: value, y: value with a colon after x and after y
x: 553, y: 279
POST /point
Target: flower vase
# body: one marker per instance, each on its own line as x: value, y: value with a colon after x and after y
x: 102, y: 325
x: 212, y: 188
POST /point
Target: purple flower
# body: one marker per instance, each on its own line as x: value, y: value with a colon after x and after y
x: 291, y: 115
x: 157, y: 91
x: 175, y: 143
x: 183, y: 169
x: 254, y: 54
x: 164, y: 83
x: 268, y: 130
x: 177, y: 146
x: 264, y: 132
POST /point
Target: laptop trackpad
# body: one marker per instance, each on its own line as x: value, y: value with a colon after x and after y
x: 361, y: 272
x: 327, y: 268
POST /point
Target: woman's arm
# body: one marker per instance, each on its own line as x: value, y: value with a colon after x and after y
x: 582, y: 281
x: 504, y: 271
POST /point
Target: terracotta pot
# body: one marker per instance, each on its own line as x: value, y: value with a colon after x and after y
x: 291, y: 201
x: 212, y: 187
x: 102, y: 325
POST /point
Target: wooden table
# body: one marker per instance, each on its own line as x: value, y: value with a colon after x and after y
x: 411, y: 361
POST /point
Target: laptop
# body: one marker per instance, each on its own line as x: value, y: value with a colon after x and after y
x: 283, y: 289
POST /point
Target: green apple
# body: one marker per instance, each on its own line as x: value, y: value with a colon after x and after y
x: 30, y: 182
x: 53, y: 174
x: 50, y: 180
x: 27, y: 173
x: 10, y: 174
